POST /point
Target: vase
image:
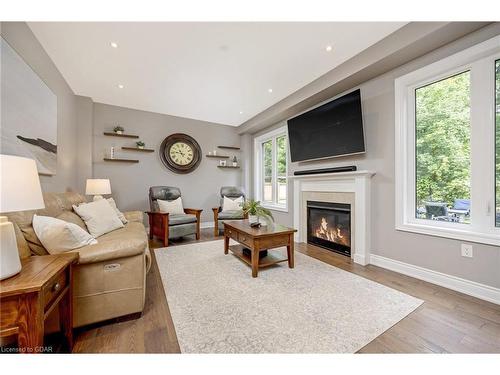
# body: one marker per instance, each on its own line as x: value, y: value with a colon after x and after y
x: 253, y: 219
x: 140, y: 147
x: 119, y: 132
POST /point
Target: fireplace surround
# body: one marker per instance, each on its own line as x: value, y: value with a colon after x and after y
x: 353, y: 188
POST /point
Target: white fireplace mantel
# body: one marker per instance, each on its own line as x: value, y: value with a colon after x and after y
x: 357, y: 182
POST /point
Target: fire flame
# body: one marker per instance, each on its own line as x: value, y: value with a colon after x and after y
x: 337, y: 234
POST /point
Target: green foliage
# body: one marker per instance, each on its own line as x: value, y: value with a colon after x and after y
x: 268, y: 160
x: 443, y: 140
x: 252, y: 207
x: 140, y: 144
x: 281, y: 155
x: 118, y: 129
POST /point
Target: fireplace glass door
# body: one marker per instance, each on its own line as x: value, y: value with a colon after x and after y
x: 329, y: 226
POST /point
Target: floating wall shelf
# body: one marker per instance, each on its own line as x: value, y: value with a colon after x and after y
x: 122, y: 160
x: 228, y: 166
x: 229, y: 147
x: 138, y: 149
x: 120, y: 135
x: 218, y: 156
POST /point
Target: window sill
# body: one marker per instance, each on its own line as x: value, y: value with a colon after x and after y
x: 274, y: 207
x: 451, y: 233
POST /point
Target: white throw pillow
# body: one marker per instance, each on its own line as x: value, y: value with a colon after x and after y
x: 120, y: 215
x: 172, y: 207
x: 232, y: 204
x: 99, y: 217
x: 59, y: 236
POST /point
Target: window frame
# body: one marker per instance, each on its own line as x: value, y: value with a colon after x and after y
x: 259, y: 168
x: 477, y: 60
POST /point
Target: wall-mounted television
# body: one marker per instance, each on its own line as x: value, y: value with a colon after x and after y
x: 330, y: 130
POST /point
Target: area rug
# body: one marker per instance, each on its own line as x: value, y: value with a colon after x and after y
x: 217, y: 307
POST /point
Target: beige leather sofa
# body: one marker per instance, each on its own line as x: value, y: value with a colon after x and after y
x: 110, y: 277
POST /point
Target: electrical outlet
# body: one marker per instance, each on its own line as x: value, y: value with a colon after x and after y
x: 467, y: 250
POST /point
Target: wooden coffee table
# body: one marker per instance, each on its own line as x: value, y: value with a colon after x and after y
x: 258, y: 240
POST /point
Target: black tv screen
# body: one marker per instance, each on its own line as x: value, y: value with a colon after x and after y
x: 332, y: 129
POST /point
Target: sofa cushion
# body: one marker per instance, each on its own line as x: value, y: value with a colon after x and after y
x: 71, y: 217
x: 124, y: 242
x: 231, y: 215
x: 59, y: 236
x: 178, y: 219
x: 100, y: 218
x: 136, y: 216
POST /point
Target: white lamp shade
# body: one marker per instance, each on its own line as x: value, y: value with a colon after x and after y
x: 98, y: 186
x: 20, y: 184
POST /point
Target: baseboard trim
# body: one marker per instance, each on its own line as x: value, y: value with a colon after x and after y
x: 471, y: 288
x: 207, y: 224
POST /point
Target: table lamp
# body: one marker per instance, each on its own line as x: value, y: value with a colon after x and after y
x: 98, y: 187
x: 20, y: 191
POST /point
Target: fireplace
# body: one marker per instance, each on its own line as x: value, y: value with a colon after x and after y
x: 329, y: 226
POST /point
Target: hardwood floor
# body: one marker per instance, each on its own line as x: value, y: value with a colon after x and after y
x: 448, y: 321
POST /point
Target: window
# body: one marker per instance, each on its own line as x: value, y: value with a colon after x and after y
x: 442, y: 120
x: 447, y: 164
x: 271, y: 157
x: 497, y: 142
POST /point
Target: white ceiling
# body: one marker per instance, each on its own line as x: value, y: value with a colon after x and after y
x: 204, y: 71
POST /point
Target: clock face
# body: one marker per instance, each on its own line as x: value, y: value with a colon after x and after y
x: 180, y: 153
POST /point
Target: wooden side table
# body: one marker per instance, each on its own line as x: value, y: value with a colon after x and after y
x: 27, y: 299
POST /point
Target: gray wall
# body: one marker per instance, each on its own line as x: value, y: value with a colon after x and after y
x: 130, y: 182
x: 439, y: 254
x: 22, y: 40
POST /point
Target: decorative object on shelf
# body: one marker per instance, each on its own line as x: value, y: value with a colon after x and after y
x: 215, y: 152
x: 255, y: 212
x: 222, y: 163
x: 111, y: 152
x: 210, y: 153
x: 118, y: 129
x: 180, y: 153
x: 235, y: 161
x: 21, y: 191
x: 98, y: 187
x: 140, y: 145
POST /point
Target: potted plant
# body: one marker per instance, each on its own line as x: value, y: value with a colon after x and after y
x: 140, y: 144
x: 118, y: 129
x: 235, y: 161
x: 255, y: 212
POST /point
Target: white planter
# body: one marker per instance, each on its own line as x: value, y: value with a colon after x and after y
x: 119, y: 132
x: 140, y: 147
x: 253, y: 219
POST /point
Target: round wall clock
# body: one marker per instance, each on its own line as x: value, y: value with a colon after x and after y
x: 180, y: 153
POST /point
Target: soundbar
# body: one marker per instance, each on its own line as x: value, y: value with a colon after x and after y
x: 349, y: 168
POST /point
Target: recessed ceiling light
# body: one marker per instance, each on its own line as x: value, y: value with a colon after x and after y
x: 121, y: 86
x: 269, y: 90
x: 114, y: 45
x: 328, y: 48
x: 241, y: 112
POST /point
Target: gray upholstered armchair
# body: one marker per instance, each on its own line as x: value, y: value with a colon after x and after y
x: 167, y: 226
x: 219, y: 215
